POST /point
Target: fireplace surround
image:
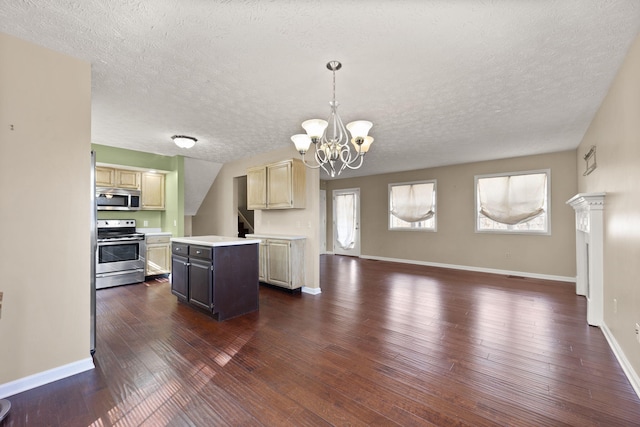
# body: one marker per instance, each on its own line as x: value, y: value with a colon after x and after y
x: 589, y: 209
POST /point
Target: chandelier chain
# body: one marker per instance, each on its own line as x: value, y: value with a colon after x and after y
x: 334, y: 86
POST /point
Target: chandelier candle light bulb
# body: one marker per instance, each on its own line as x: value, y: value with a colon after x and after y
x: 330, y: 138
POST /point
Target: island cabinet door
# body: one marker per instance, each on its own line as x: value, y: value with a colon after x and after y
x: 180, y: 277
x: 201, y: 284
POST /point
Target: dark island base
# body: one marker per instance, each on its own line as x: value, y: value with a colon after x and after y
x: 226, y: 287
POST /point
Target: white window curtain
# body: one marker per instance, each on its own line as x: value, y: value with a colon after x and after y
x: 412, y: 202
x: 512, y: 199
x: 346, y: 220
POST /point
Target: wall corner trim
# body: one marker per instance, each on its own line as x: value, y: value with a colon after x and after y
x: 45, y: 377
x: 311, y: 291
x: 626, y: 366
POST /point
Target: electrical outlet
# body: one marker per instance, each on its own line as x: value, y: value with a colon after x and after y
x: 146, y: 223
x: 638, y: 332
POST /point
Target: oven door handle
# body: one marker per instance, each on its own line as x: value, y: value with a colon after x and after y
x: 119, y: 241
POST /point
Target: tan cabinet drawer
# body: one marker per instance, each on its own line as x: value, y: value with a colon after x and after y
x: 152, y: 240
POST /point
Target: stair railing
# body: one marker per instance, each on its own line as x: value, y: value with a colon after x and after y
x: 246, y: 222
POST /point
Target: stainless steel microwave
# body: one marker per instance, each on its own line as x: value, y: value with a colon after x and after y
x: 117, y: 199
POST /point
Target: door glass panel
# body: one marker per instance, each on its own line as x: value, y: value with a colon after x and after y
x: 345, y: 220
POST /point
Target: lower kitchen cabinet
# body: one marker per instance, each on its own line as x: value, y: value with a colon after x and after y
x: 281, y: 260
x: 201, y: 283
x: 180, y: 276
x: 221, y: 280
x: 158, y: 254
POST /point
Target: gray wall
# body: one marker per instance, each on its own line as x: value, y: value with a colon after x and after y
x: 456, y: 241
x: 615, y: 131
x: 45, y: 252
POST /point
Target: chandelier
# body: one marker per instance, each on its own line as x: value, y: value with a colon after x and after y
x: 330, y: 139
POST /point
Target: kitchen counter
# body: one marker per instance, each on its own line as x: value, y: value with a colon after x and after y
x: 157, y: 233
x: 275, y: 236
x: 214, y: 241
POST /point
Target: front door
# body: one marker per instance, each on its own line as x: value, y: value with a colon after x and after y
x: 346, y: 222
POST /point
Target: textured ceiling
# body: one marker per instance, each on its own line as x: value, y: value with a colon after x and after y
x: 444, y: 82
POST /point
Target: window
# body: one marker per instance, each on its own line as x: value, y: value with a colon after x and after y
x: 515, y: 202
x: 412, y: 206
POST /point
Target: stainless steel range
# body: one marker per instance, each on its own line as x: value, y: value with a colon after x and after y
x: 120, y: 253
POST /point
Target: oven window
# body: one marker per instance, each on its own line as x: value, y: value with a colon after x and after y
x: 118, y: 253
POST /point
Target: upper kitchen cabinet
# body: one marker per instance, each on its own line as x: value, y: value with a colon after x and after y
x: 127, y: 179
x: 277, y: 185
x: 257, y: 188
x: 153, y: 191
x: 105, y: 177
x: 117, y: 178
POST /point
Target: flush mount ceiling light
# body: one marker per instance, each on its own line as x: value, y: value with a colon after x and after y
x: 330, y: 139
x: 184, y: 141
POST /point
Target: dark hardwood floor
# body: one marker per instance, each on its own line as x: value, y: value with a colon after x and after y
x: 384, y: 344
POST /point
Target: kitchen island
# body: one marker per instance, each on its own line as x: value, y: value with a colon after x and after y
x: 216, y: 274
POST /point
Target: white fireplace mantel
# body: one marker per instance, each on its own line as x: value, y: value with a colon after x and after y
x: 589, y: 208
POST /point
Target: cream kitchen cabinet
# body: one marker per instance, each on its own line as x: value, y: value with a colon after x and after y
x: 105, y: 177
x: 278, y: 185
x: 152, y: 193
x: 127, y: 179
x: 257, y: 188
x: 281, y: 260
x: 117, y: 178
x: 158, y: 254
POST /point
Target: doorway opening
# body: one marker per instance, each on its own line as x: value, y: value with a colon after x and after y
x: 245, y: 216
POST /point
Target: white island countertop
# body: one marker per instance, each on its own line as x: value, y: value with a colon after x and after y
x: 214, y: 240
x: 275, y: 236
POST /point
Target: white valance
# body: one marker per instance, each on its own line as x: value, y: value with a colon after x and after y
x: 512, y: 199
x: 412, y: 202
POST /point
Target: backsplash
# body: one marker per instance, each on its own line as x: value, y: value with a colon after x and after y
x: 144, y: 219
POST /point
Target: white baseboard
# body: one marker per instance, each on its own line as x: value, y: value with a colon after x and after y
x: 46, y: 377
x: 478, y: 269
x: 311, y: 291
x: 631, y: 374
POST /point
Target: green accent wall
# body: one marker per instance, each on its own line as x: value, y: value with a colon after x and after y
x: 172, y: 218
x: 138, y: 159
x: 173, y: 215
